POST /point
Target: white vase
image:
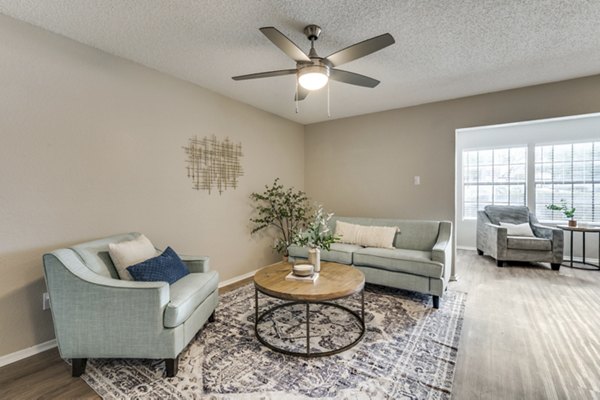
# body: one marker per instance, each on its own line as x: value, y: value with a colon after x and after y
x: 314, y: 258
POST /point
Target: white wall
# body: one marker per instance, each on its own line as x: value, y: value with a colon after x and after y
x: 558, y: 130
x: 91, y: 145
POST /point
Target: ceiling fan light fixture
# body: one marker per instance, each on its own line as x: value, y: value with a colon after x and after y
x: 313, y: 77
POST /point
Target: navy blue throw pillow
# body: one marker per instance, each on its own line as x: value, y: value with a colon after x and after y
x: 167, y: 267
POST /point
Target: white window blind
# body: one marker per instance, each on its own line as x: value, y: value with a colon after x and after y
x: 569, y: 172
x: 495, y: 176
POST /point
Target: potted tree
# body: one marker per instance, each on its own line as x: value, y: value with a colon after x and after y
x: 285, y: 210
x: 569, y: 212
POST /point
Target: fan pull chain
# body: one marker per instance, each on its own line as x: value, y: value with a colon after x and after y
x: 296, y: 96
x: 328, y: 110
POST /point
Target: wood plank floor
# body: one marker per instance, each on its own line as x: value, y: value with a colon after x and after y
x: 529, y: 333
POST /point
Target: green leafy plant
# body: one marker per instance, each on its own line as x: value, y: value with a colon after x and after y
x: 284, y: 209
x: 568, y: 211
x: 317, y: 234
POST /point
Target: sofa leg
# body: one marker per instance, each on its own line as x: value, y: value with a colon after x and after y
x: 479, y: 252
x: 78, y: 366
x: 212, y: 317
x: 555, y: 266
x: 436, y: 301
x: 172, y: 365
x: 499, y: 263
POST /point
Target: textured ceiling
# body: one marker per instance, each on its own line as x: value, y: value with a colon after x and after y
x: 443, y: 50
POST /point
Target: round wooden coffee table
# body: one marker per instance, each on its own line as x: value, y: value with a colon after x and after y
x: 335, y: 281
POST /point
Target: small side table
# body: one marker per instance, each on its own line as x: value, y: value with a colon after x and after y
x: 583, y: 230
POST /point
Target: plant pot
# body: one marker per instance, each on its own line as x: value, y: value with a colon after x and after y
x: 314, y: 258
x: 572, y: 223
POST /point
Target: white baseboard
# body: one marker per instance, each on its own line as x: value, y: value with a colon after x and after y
x: 38, y: 348
x: 566, y: 258
x: 28, y: 352
x: 237, y: 278
x: 466, y: 248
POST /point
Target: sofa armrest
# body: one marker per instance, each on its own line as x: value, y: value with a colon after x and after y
x: 442, y: 249
x: 196, y: 263
x: 94, y: 314
x: 556, y: 235
x: 546, y: 232
x: 491, y: 238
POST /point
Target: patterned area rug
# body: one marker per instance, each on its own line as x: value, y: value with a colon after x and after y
x: 408, y: 352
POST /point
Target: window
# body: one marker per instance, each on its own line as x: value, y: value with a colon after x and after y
x: 495, y: 176
x: 569, y: 172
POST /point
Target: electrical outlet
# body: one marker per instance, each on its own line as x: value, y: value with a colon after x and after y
x: 417, y: 180
x: 45, y: 301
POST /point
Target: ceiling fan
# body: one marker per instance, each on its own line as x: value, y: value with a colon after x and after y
x: 313, y: 72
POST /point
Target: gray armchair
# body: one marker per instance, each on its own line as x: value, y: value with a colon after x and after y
x: 492, y: 239
x: 97, y: 315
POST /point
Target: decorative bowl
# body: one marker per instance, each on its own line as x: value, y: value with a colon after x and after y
x: 303, y: 270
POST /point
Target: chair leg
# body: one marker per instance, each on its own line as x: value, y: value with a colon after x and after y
x: 172, y: 365
x: 78, y: 367
x: 479, y: 252
x: 555, y: 266
x: 436, y: 301
x: 499, y: 263
x: 212, y: 317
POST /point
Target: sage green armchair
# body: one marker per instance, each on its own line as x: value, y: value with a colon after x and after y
x: 97, y: 315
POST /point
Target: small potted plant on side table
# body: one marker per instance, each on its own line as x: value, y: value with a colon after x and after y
x: 568, y: 211
x: 316, y: 236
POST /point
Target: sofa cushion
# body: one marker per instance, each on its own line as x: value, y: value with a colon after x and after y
x: 94, y: 254
x: 187, y: 294
x: 528, y: 243
x: 339, y: 252
x: 412, y: 234
x: 298, y: 251
x: 415, y: 262
x: 512, y: 214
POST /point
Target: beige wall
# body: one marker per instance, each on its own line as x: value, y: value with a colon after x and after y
x: 364, y: 166
x: 91, y: 145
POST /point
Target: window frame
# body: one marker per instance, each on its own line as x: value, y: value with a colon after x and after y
x: 560, y: 218
x: 463, y: 166
x: 531, y: 183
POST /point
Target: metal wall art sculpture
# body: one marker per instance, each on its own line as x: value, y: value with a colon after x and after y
x: 213, y: 164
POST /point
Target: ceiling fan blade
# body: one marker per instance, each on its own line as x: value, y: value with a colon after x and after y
x: 361, y: 49
x: 301, y: 93
x: 267, y: 74
x: 352, y: 78
x: 284, y: 44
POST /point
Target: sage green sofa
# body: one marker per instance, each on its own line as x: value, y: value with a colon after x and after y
x: 421, y: 260
x: 97, y: 315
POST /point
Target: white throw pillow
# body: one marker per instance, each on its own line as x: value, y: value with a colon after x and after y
x: 517, y: 229
x: 128, y: 253
x: 377, y: 236
x: 346, y: 232
x: 368, y: 236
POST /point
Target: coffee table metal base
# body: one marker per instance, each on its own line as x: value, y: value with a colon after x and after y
x: 260, y: 317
